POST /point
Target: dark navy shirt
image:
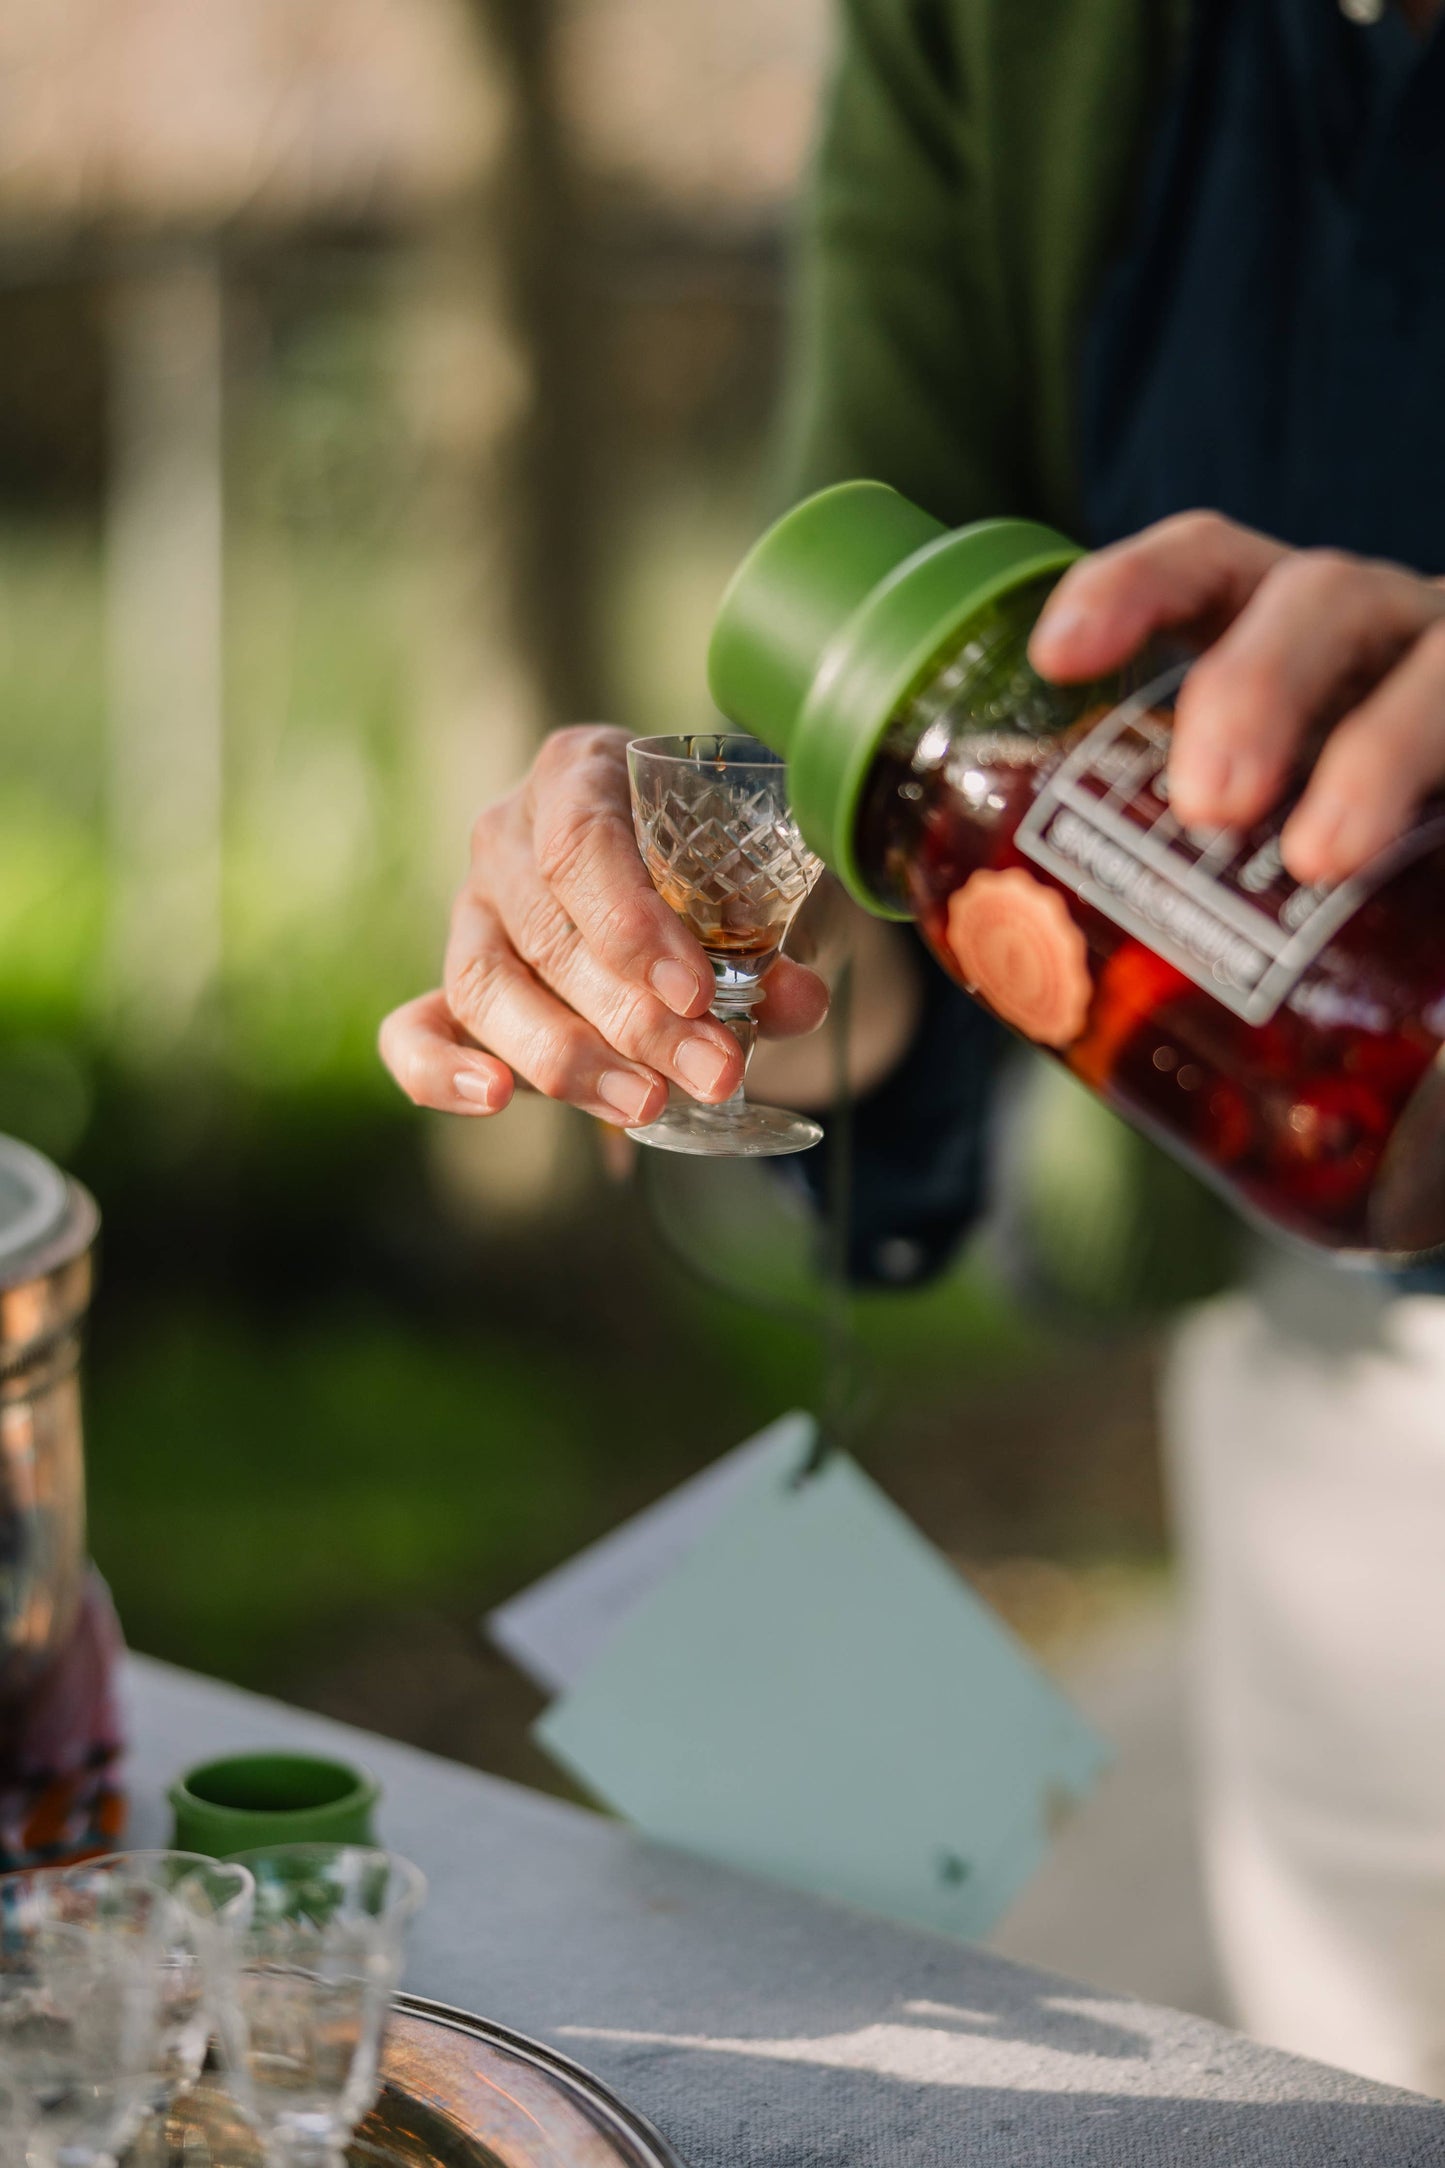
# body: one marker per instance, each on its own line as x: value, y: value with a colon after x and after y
x: 1271, y: 343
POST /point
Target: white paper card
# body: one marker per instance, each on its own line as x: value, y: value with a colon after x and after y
x: 555, y: 1628
x: 811, y: 1692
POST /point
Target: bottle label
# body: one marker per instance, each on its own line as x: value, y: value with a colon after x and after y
x: 1217, y: 904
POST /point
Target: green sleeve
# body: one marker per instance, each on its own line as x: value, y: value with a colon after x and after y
x: 896, y: 367
x: 978, y: 161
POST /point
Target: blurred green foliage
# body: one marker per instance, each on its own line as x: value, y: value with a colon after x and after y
x: 251, y: 1486
x: 260, y: 1483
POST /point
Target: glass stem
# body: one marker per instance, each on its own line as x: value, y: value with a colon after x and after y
x: 733, y: 1006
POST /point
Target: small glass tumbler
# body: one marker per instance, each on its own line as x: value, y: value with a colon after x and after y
x: 318, y: 1969
x: 79, y: 2004
x: 210, y: 1911
x: 720, y: 843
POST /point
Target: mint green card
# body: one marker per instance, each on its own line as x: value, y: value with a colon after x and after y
x: 812, y: 1693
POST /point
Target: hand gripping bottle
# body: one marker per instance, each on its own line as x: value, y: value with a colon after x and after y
x: 1283, y: 1041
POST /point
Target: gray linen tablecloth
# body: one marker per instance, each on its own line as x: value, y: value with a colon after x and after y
x: 763, y: 2028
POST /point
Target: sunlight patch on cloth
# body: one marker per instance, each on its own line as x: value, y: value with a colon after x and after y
x: 933, y: 2055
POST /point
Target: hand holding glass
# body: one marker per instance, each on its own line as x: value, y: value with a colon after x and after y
x: 720, y: 843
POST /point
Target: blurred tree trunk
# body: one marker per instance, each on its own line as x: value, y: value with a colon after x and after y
x: 498, y: 364
x: 536, y: 200
x: 164, y: 564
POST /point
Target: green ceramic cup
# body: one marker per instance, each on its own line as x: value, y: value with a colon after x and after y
x: 250, y: 1800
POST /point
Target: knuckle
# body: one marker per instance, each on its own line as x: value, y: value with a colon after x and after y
x: 553, y: 1064
x: 414, y: 1079
x: 599, y: 738
x: 1198, y: 529
x: 632, y: 1022
x: 1321, y: 577
x: 574, y: 848
x: 485, y: 829
x: 404, y: 1062
x: 566, y: 846
x: 573, y: 746
x: 542, y: 935
x: 404, y: 1066
x: 558, y: 750
x: 470, y: 987
x: 632, y: 926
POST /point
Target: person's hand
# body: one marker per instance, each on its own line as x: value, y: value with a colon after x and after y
x: 1292, y: 640
x: 566, y: 971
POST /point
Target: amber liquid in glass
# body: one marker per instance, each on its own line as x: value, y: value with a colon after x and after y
x: 741, y: 930
x: 1327, y: 1118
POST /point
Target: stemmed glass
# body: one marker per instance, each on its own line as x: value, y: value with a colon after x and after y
x: 319, y: 1966
x: 79, y: 2001
x: 196, y: 1962
x: 719, y: 840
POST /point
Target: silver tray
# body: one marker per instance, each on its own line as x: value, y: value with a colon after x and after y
x: 457, y: 2092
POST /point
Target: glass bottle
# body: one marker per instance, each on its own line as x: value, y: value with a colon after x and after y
x: 1283, y: 1041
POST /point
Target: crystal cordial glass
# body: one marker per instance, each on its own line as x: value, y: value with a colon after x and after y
x: 196, y: 1966
x: 319, y: 1966
x: 720, y: 843
x: 79, y: 2002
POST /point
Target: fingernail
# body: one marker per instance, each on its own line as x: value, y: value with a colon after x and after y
x: 626, y: 1091
x: 1057, y: 627
x: 702, y: 1066
x: 469, y: 1084
x: 1317, y: 840
x: 676, y: 985
x: 1200, y: 780
x: 1060, y: 620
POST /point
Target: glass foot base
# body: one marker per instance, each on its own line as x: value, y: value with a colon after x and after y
x: 733, y: 1131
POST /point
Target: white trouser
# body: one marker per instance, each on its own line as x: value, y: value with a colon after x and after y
x: 1305, y: 1422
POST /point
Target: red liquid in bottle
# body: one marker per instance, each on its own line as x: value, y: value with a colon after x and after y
x: 1284, y: 1041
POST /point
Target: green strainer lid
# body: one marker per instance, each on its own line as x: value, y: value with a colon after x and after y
x: 831, y: 621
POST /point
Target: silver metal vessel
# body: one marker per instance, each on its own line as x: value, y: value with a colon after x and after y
x: 48, y: 1228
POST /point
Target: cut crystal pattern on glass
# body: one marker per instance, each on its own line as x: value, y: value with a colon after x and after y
x: 735, y: 871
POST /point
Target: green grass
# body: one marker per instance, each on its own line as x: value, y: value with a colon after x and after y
x: 252, y: 1487
x: 257, y: 1486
